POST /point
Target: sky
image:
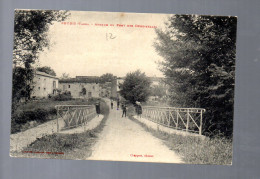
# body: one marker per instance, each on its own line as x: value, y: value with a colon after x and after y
x: 93, y: 50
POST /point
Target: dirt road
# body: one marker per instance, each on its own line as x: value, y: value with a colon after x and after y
x: 125, y: 140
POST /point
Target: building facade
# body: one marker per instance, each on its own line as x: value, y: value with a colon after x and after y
x: 44, y: 85
x: 80, y: 87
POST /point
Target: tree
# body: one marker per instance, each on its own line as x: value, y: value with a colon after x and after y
x: 30, y: 38
x: 136, y: 87
x: 21, y: 88
x: 199, y: 63
x: 65, y: 76
x: 158, y: 90
x: 47, y: 70
x: 108, y: 77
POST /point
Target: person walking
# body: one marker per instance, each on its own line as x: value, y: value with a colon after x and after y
x: 97, y: 107
x: 118, y: 103
x: 124, y: 110
x: 139, y: 109
x: 112, y: 104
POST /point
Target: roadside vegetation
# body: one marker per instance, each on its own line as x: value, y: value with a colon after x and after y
x: 35, y: 112
x: 66, y: 146
x: 199, y: 66
x: 192, y: 149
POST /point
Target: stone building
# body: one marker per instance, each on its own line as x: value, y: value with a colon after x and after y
x: 44, y: 85
x: 80, y: 87
x: 109, y: 89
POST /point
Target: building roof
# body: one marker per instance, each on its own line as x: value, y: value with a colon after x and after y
x: 87, y: 77
x: 80, y: 80
x: 45, y: 74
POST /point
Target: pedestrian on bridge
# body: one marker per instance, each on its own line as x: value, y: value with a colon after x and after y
x: 138, y: 109
x: 124, y: 109
x: 112, y: 104
x: 118, y: 103
x: 98, y: 108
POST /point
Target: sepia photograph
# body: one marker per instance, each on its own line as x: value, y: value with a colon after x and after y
x: 119, y: 86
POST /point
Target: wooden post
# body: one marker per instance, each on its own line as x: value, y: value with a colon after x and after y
x: 188, y: 121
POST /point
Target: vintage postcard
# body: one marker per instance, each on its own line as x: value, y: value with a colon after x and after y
x: 120, y: 86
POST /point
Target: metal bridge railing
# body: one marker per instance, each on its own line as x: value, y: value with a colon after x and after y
x: 187, y: 119
x: 70, y: 116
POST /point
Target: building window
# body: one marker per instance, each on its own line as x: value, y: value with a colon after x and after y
x: 93, y: 87
x: 44, y: 89
x: 68, y: 86
x: 84, y: 91
x: 39, y: 88
x: 54, y: 84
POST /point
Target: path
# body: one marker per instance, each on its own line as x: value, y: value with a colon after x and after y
x: 125, y: 140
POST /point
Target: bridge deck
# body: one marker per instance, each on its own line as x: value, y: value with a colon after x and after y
x: 125, y: 140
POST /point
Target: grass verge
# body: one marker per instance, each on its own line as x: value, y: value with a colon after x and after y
x: 195, y: 150
x: 65, y: 146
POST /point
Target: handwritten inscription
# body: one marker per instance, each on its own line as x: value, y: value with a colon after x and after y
x: 110, y: 36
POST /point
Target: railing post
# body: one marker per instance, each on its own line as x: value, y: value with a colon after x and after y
x: 177, y: 119
x: 188, y: 121
x: 200, y: 129
x: 57, y: 119
x: 169, y: 118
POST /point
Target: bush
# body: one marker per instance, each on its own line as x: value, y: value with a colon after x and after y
x: 21, y: 118
x: 44, y: 110
x: 66, y: 96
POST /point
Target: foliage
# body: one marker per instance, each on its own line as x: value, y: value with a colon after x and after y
x: 108, y: 77
x: 158, y: 90
x: 65, y: 96
x: 199, y: 63
x: 30, y: 38
x: 21, y: 85
x: 43, y: 110
x: 21, y: 118
x: 65, y: 76
x: 47, y: 70
x: 136, y: 87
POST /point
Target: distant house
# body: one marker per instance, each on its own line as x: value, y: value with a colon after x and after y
x: 109, y: 89
x: 81, y: 87
x: 44, y: 85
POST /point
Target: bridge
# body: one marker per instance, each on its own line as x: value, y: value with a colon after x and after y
x: 121, y: 139
x: 184, y: 119
x: 71, y: 116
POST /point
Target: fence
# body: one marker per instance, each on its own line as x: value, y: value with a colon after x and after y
x: 187, y: 119
x: 70, y: 116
